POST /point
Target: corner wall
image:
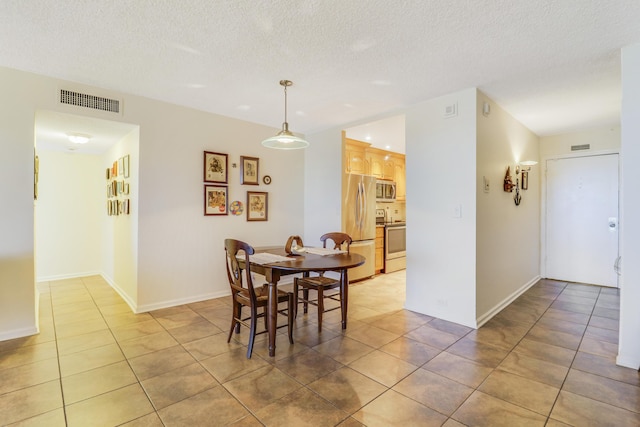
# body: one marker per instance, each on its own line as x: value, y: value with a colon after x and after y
x: 508, y: 236
x: 629, y: 347
x: 441, y: 208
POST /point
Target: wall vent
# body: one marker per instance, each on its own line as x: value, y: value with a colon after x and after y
x: 580, y: 147
x: 89, y: 101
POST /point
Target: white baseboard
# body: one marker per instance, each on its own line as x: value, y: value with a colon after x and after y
x: 180, y: 301
x: 630, y: 361
x: 67, y: 276
x: 505, y: 302
x: 19, y: 333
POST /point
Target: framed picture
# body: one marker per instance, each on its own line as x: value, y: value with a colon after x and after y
x: 121, y: 166
x: 215, y: 200
x: 215, y: 167
x: 257, y: 206
x: 525, y: 180
x: 125, y: 166
x: 249, y: 170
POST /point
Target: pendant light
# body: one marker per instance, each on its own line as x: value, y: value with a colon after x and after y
x: 285, y: 140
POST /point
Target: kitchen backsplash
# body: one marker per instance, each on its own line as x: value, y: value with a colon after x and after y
x: 396, y: 211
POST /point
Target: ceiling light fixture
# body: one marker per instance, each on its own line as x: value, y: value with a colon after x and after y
x: 79, y: 138
x: 285, y: 140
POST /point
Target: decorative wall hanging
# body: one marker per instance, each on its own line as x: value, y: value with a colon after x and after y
x: 215, y: 200
x: 249, y: 170
x: 257, y: 206
x: 215, y: 167
x: 236, y: 208
x: 266, y: 179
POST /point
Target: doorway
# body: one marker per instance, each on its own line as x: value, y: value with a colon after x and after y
x: 582, y: 219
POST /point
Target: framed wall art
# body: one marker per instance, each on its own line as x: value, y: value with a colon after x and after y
x: 125, y: 166
x: 257, y: 206
x: 249, y: 170
x: 215, y: 200
x: 215, y: 167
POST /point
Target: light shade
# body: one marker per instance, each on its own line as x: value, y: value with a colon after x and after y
x: 285, y: 140
x: 528, y: 163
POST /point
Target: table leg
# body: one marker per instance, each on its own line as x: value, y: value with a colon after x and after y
x: 272, y: 316
x: 344, y: 297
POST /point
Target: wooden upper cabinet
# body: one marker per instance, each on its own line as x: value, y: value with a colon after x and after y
x: 376, y: 163
x: 355, y: 156
x: 400, y: 176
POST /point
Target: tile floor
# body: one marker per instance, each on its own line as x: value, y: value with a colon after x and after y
x: 547, y: 359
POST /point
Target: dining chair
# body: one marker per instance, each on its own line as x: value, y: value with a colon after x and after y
x: 243, y: 293
x: 321, y: 283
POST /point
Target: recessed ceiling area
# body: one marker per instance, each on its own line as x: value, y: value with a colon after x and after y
x: 385, y: 134
x: 53, y: 128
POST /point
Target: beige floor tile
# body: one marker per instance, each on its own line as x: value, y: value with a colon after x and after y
x: 535, y: 369
x: 576, y: 410
x: 347, y: 389
x: 458, y: 368
x: 604, y: 323
x: 484, y: 354
x: 177, y: 385
x: 383, y: 368
x: 484, y: 410
x: 30, y: 402
x: 401, y: 322
x: 232, y: 364
x: 53, y: 418
x: 262, y: 387
x: 449, y: 327
x: 127, y: 318
x: 78, y: 316
x: 81, y: 327
x: 605, y: 366
x: 215, y: 406
x: 547, y: 352
x: 149, y: 420
x: 112, y: 408
x: 433, y: 337
x: 27, y: 354
x: 179, y: 319
x: 600, y: 348
x: 520, y: 391
x: 573, y: 307
x: 607, y: 312
x: 90, y: 359
x: 562, y: 326
x: 569, y: 316
x: 307, y: 366
x: 83, y: 342
x: 372, y: 336
x: 343, y: 349
x: 500, y: 333
x: 393, y: 409
x: 553, y: 337
x: 411, y: 351
x: 301, y: 408
x: 97, y: 381
x: 159, y: 362
x: 194, y: 331
x: 118, y: 308
x: 210, y: 346
x: 136, y: 330
x: 601, y: 334
x: 435, y: 391
x: 28, y: 375
x: 604, y: 390
x: 148, y: 344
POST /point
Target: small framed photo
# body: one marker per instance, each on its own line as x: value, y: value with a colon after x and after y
x: 215, y: 200
x: 249, y: 170
x: 215, y: 167
x: 525, y: 180
x: 257, y: 206
x: 121, y: 166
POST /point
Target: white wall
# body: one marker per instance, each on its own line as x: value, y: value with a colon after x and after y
x: 441, y: 176
x: 69, y: 211
x: 605, y: 138
x: 119, y: 237
x: 17, y: 286
x: 508, y: 244
x: 629, y: 347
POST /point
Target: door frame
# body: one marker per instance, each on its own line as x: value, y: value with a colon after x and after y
x: 543, y: 199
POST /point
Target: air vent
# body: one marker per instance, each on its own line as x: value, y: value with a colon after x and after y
x: 89, y: 101
x: 580, y: 147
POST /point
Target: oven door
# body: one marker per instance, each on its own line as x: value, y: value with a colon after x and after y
x: 395, y: 242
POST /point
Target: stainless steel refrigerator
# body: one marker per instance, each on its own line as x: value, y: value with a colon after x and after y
x: 359, y: 220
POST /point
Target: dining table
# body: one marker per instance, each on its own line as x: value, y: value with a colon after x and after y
x: 305, y: 263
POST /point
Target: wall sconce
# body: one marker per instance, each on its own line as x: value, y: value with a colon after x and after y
x: 521, y: 168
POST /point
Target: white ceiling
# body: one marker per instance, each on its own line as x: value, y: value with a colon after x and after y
x: 554, y: 65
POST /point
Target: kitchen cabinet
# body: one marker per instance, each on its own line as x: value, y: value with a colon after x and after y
x: 400, y: 177
x: 379, y: 249
x: 376, y: 163
x: 355, y: 156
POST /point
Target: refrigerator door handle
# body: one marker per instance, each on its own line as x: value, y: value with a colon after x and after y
x: 357, y: 207
x: 364, y: 207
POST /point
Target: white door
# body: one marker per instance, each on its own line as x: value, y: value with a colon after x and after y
x: 582, y: 219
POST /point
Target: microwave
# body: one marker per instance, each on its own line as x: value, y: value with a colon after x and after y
x: 385, y: 191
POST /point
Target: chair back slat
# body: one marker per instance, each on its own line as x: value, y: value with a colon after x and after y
x: 235, y: 250
x: 339, y: 240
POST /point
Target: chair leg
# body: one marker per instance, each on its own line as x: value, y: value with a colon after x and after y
x: 252, y: 333
x: 305, y: 299
x: 239, y: 316
x: 295, y: 297
x: 290, y: 315
x: 234, y: 323
x: 320, y: 306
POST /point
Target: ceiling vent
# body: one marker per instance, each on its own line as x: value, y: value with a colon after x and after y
x: 78, y: 99
x: 580, y: 147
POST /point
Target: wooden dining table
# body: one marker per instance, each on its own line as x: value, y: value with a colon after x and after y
x: 302, y: 263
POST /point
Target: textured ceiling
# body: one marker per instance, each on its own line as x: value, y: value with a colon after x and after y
x: 554, y: 65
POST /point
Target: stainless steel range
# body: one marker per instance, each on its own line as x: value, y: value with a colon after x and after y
x: 395, y: 243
